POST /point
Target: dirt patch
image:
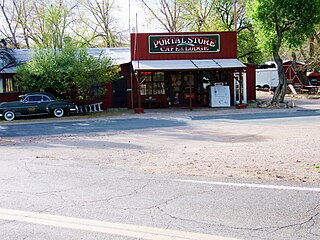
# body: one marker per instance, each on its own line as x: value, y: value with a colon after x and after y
x: 283, y: 150
x: 229, y: 149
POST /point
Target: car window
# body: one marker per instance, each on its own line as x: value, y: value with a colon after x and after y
x: 45, y: 99
x: 34, y: 98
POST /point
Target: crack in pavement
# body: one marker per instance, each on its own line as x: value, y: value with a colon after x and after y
x: 107, y: 200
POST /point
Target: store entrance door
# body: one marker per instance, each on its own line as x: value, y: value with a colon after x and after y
x: 187, y: 88
x: 182, y: 87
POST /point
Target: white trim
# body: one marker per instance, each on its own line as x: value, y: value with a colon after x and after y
x: 193, y: 64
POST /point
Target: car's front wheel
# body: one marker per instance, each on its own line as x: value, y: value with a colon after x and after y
x: 9, y: 115
x: 58, y: 112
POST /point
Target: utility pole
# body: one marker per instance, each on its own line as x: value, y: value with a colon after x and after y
x: 235, y: 15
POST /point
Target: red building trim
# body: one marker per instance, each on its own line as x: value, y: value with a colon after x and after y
x: 140, y: 47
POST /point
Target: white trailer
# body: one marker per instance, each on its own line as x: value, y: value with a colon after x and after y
x: 266, y: 78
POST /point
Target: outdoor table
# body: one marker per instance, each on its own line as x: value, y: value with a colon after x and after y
x: 310, y: 89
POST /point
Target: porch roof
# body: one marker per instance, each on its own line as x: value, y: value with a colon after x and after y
x: 196, y: 64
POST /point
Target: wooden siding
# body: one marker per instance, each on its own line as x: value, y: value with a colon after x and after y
x: 140, y: 47
x: 291, y: 76
x: 251, y: 82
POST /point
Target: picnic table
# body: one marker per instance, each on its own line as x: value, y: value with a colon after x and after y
x: 310, y: 89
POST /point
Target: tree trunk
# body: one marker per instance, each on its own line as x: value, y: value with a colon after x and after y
x: 311, y: 46
x: 298, y: 71
x: 281, y: 89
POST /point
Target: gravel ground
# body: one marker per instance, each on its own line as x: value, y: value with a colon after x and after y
x: 232, y: 149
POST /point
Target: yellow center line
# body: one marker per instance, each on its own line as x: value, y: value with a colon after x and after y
x: 130, y: 230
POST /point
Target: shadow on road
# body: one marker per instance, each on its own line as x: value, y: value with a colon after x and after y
x: 83, y: 127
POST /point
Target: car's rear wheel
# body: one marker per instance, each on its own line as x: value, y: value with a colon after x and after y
x: 9, y: 115
x: 58, y: 112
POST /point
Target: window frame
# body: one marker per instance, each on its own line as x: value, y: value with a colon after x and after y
x: 152, y: 84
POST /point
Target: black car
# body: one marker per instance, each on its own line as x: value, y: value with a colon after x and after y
x: 33, y: 104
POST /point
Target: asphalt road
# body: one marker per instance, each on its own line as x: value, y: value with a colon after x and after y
x: 59, y: 199
x: 83, y: 127
x: 48, y: 128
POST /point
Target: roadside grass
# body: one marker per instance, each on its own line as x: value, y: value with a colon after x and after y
x: 317, y: 167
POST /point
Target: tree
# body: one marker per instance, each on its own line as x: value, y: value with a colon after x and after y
x: 48, y: 70
x: 223, y: 19
x: 7, y: 59
x: 49, y: 28
x: 10, y: 16
x: 103, y: 24
x: 167, y: 12
x: 198, y: 14
x: 310, y: 53
x: 39, y: 22
x: 66, y: 70
x: 282, y: 22
x: 90, y: 74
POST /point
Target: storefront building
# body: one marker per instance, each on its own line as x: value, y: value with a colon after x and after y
x: 167, y: 70
x: 189, y: 69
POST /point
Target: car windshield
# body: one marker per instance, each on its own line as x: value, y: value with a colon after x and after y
x: 22, y: 98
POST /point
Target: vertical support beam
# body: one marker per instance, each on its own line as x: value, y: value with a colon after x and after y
x: 190, y: 93
x: 138, y: 88
x: 240, y: 85
x: 235, y: 15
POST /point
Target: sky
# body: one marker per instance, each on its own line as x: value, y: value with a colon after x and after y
x: 138, y: 17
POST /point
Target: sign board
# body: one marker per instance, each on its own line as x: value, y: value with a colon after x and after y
x: 189, y: 43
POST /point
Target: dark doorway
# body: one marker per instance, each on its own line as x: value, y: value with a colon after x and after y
x: 185, y: 85
x: 119, y: 93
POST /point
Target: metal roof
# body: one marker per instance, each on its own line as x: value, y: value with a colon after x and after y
x: 119, y: 55
x: 187, y: 64
x: 122, y: 56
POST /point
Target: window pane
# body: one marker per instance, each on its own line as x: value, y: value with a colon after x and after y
x: 145, y: 77
x: 45, y: 99
x: 34, y: 98
x: 158, y: 88
x: 149, y: 89
x: 143, y: 89
x: 1, y: 85
x: 158, y: 77
x: 7, y: 85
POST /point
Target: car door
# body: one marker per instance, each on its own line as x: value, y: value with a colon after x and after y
x: 42, y: 106
x: 32, y: 105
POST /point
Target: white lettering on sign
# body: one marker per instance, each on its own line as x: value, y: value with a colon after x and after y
x: 181, y: 40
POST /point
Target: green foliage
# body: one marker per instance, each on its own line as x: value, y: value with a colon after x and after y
x: 47, y: 70
x: 248, y: 50
x: 90, y: 72
x: 67, y: 70
x: 289, y: 20
x: 279, y: 23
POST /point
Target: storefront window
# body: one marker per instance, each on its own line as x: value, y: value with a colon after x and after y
x: 7, y: 85
x: 146, y: 83
x: 214, y: 77
x: 152, y: 83
x: 158, y: 83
